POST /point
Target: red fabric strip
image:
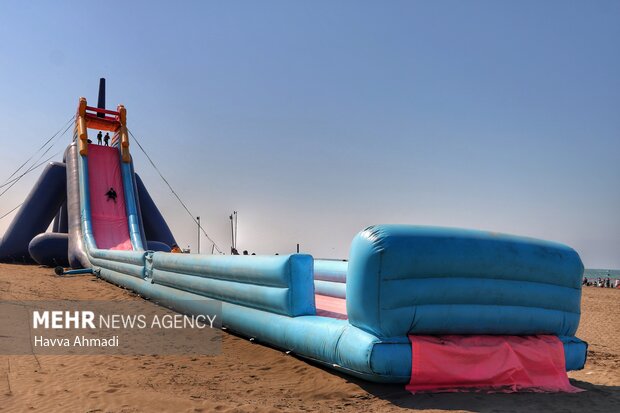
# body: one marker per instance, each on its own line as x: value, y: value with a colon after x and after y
x: 491, y: 363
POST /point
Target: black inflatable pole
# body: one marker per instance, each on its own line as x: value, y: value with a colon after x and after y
x: 101, y: 99
x: 61, y: 271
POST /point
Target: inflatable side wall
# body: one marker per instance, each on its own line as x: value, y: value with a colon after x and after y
x: 424, y: 280
x: 278, y: 284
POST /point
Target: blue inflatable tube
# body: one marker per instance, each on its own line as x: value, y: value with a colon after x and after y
x: 157, y: 246
x: 86, y: 221
x: 50, y: 249
x: 77, y: 255
x: 36, y: 213
x: 330, y: 278
x: 330, y: 270
x: 330, y: 289
x: 135, y: 233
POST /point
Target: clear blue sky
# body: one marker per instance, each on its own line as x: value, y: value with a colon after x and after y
x: 315, y: 119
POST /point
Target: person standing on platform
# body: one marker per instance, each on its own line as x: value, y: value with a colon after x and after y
x: 106, y: 139
x: 99, y: 135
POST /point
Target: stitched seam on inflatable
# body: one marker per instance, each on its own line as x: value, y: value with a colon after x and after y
x: 478, y: 304
x: 212, y: 277
x: 448, y: 277
x: 274, y: 310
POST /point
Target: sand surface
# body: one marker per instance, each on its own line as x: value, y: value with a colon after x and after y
x: 254, y: 378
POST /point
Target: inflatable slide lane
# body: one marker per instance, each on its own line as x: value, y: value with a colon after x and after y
x: 107, y: 200
x: 103, y: 211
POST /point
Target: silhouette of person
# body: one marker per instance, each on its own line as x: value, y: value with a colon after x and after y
x: 111, y: 194
x: 106, y: 138
x: 99, y: 138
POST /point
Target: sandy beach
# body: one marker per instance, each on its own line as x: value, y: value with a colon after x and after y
x: 250, y: 377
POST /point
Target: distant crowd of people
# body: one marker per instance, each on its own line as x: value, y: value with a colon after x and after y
x: 233, y: 251
x: 601, y: 282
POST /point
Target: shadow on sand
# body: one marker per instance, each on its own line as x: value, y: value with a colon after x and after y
x: 595, y: 398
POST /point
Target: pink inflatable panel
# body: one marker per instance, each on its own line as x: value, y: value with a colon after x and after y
x: 330, y: 306
x: 503, y: 364
x: 109, y: 218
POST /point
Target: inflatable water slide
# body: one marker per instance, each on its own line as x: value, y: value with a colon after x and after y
x: 56, y: 199
x: 435, y: 308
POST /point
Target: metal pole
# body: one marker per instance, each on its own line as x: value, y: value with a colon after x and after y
x: 232, y: 234
x: 198, y: 219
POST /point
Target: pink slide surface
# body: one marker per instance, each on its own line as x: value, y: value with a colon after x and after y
x: 330, y: 307
x: 109, y: 218
x: 503, y: 364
